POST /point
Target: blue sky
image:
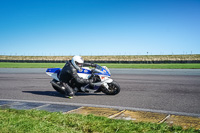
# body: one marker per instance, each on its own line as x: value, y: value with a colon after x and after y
x: 99, y: 27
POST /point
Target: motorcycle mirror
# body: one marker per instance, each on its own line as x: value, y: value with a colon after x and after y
x: 96, y: 71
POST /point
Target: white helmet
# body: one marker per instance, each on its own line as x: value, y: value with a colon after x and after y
x: 77, y: 62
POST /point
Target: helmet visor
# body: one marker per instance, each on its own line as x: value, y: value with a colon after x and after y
x: 79, y: 64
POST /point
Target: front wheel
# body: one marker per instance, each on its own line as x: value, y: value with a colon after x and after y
x: 113, y: 89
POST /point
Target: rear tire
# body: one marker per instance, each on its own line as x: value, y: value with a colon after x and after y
x: 58, y: 89
x: 113, y: 89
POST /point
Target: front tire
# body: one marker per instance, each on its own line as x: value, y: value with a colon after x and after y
x: 113, y: 89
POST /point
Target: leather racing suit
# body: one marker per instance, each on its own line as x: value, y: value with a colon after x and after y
x: 69, y: 73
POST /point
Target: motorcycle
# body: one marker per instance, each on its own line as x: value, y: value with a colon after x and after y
x: 104, y: 83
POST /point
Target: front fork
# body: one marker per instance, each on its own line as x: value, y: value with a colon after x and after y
x: 105, y: 83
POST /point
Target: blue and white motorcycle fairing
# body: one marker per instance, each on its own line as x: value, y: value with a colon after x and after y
x: 105, y: 84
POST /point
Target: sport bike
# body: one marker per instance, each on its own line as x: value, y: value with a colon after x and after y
x: 103, y: 84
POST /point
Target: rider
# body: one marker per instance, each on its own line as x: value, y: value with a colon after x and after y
x: 69, y: 72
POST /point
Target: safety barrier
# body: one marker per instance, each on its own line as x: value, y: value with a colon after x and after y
x: 134, y: 62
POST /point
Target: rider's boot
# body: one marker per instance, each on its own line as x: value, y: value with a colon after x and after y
x: 69, y: 93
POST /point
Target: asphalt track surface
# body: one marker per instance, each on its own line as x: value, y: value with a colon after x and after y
x: 156, y: 90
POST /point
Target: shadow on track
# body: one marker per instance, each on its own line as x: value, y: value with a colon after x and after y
x: 45, y: 93
x: 56, y: 94
x: 89, y: 94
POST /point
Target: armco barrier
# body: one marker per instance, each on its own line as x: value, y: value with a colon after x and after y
x: 134, y: 62
x: 33, y: 61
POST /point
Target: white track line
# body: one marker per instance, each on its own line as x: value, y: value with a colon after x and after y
x: 107, y: 106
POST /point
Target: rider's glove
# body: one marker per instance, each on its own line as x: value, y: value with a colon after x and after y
x: 95, y: 79
x: 91, y: 82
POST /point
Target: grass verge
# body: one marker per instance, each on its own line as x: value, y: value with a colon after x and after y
x: 154, y: 66
x: 34, y: 121
x: 30, y: 65
x: 109, y: 65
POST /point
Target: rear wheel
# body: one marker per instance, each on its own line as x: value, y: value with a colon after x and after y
x: 113, y: 89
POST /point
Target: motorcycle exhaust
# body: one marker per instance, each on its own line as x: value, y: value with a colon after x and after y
x: 55, y: 84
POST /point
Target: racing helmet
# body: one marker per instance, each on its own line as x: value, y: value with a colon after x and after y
x: 77, y: 62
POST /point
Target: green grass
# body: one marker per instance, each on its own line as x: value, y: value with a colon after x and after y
x: 31, y: 65
x: 34, y: 121
x: 109, y: 65
x: 154, y: 66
